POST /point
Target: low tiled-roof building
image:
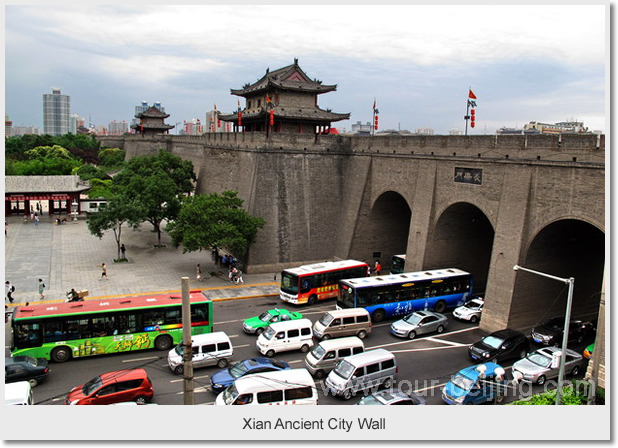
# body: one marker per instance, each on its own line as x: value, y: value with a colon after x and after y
x: 285, y: 100
x: 22, y: 194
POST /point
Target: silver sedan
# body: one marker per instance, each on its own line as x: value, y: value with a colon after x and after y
x: 544, y: 364
x: 419, y: 322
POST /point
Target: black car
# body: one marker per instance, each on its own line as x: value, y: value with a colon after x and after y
x: 500, y: 345
x: 552, y: 332
x: 25, y: 368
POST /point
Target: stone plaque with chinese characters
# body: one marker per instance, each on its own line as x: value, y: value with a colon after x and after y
x: 469, y: 176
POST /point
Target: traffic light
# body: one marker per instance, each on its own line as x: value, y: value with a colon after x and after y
x: 472, y: 116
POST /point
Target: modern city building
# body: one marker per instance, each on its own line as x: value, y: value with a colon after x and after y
x: 214, y: 123
x: 117, y: 127
x: 563, y: 127
x: 17, y: 131
x: 8, y: 125
x: 143, y: 108
x: 75, y: 123
x: 424, y: 131
x: 363, y: 129
x: 56, y: 111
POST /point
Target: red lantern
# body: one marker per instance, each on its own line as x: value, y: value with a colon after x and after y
x: 218, y: 122
x: 272, y: 117
x: 472, y: 116
x: 239, y: 118
x: 376, y: 123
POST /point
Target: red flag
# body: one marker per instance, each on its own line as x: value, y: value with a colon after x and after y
x: 471, y: 95
x: 268, y: 100
x: 374, y: 104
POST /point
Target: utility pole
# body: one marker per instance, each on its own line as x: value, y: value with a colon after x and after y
x: 187, y: 353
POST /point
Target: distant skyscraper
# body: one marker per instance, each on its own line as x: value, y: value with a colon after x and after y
x: 56, y: 110
x: 117, y: 127
x: 75, y: 123
x: 8, y: 125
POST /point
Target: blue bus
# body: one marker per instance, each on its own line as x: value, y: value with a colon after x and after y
x: 401, y: 294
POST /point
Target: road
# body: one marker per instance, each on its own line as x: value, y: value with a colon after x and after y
x: 425, y: 364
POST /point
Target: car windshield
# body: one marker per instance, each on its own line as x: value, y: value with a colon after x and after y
x: 269, y: 333
x: 266, y: 316
x: 413, y: 319
x: 318, y: 352
x: 539, y: 359
x: 179, y: 350
x: 230, y: 394
x: 239, y: 369
x: 344, y: 369
x: 555, y: 324
x: 326, y: 319
x: 472, y: 304
x: 493, y: 341
x: 92, y: 385
x: 462, y: 382
x: 370, y: 399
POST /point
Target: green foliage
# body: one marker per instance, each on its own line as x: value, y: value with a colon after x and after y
x: 214, y: 221
x: 87, y: 172
x: 100, y: 188
x: 570, y: 396
x: 78, y: 145
x: 46, y: 152
x: 112, y: 157
x: 42, y: 167
x: 157, y: 183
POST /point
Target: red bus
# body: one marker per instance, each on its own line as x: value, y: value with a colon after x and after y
x: 61, y: 331
x: 319, y: 281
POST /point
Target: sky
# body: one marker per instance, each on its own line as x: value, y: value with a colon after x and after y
x: 544, y: 63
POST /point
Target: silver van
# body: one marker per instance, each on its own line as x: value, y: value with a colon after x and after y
x: 327, y: 354
x: 210, y: 349
x: 344, y: 322
x: 285, y: 336
x: 356, y: 373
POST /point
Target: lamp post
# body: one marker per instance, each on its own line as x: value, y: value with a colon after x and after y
x: 565, y: 337
x: 74, y: 209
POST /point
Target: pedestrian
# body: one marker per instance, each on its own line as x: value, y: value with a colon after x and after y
x: 198, y: 273
x: 10, y: 289
x: 41, y: 289
x: 122, y: 251
x: 36, y: 220
x: 378, y: 267
x: 6, y: 228
x: 103, y: 271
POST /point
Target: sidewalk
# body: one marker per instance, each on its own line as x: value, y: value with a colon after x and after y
x: 68, y: 256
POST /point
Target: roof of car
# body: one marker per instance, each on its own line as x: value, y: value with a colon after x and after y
x: 506, y: 333
x: 128, y: 374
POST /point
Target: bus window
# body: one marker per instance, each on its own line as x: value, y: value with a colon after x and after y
x: 28, y: 335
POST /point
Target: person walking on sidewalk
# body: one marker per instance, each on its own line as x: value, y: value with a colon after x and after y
x: 41, y: 289
x: 123, y: 252
x: 198, y: 273
x: 10, y: 289
x: 103, y: 271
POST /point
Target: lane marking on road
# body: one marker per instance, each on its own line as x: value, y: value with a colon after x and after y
x: 241, y: 346
x: 456, y: 344
x: 426, y: 349
x: 422, y: 339
x: 140, y: 359
x: 195, y: 378
x: 232, y: 336
x: 430, y: 387
x: 296, y: 361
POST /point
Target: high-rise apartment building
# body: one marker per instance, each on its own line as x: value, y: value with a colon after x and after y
x: 8, y: 126
x: 56, y: 111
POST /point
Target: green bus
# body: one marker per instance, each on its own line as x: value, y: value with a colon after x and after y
x: 61, y: 331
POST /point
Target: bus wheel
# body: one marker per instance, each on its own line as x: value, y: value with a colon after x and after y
x: 440, y: 306
x: 361, y: 334
x: 60, y: 354
x: 378, y: 315
x: 163, y: 342
x: 222, y: 363
x: 319, y: 374
x: 312, y: 300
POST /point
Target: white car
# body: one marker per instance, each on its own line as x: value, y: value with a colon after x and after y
x: 470, y: 311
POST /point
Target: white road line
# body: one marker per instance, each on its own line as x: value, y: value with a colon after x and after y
x: 430, y: 387
x: 140, y: 359
x: 232, y: 336
x: 296, y: 361
x: 456, y: 344
x: 244, y: 345
x: 425, y: 349
x: 422, y: 339
x: 195, y: 378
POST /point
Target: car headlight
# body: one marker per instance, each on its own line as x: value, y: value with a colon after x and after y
x: 485, y: 355
x: 217, y: 386
x: 459, y: 399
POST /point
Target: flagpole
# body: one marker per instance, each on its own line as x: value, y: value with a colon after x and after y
x: 373, y: 119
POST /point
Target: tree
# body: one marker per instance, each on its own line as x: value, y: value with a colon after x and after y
x: 158, y: 184
x: 216, y: 221
x: 117, y: 212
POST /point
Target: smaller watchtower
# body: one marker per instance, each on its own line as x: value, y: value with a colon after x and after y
x: 151, y: 123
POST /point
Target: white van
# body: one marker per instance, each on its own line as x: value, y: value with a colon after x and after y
x: 285, y: 336
x: 19, y: 393
x: 343, y: 322
x: 284, y: 387
x: 326, y: 355
x: 373, y: 368
x: 211, y: 349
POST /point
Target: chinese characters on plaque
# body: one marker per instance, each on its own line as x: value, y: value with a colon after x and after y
x: 469, y: 176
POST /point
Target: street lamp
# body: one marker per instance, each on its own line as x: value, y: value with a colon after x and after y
x: 567, y: 319
x: 74, y: 209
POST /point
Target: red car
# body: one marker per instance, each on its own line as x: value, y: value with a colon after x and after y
x: 113, y: 387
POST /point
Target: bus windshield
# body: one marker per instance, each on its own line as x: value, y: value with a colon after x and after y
x: 289, y: 283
